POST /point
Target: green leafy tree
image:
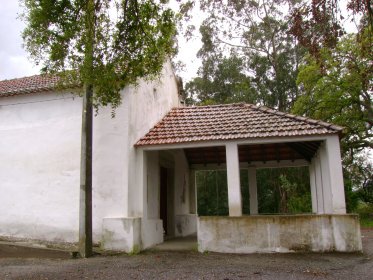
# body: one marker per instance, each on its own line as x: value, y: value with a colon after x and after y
x: 284, y: 190
x: 337, y: 79
x: 101, y: 44
x: 256, y: 33
x: 337, y: 87
x: 360, y: 176
x: 212, y: 193
x: 340, y: 91
x: 221, y: 80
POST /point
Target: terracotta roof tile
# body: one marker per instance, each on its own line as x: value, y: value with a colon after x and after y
x: 230, y: 121
x: 28, y: 85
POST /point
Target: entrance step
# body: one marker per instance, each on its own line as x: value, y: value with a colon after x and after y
x: 188, y: 243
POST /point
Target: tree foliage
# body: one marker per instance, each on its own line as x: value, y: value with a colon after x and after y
x: 103, y: 43
x: 318, y: 24
x: 340, y: 91
x: 359, y: 175
x: 221, y: 80
x: 336, y: 80
x: 284, y: 190
x: 280, y: 190
x: 255, y: 34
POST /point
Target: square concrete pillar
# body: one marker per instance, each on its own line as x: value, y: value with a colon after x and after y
x: 253, y: 191
x: 192, y: 192
x: 318, y: 185
x: 233, y: 178
x: 333, y: 155
x: 328, y: 170
x: 313, y: 186
x: 137, y: 183
x: 325, y: 177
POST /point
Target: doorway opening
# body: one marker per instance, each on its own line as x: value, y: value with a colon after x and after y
x: 166, y: 201
x: 163, y: 199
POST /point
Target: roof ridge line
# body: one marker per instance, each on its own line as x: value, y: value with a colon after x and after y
x: 32, y: 76
x: 214, y: 105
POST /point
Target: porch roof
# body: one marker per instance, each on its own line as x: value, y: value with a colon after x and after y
x: 230, y: 122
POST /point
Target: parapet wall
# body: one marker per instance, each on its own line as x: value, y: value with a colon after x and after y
x: 282, y: 233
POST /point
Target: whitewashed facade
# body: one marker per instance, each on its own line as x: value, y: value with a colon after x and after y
x: 40, y: 161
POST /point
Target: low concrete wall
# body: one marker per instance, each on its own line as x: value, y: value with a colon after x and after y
x: 249, y: 234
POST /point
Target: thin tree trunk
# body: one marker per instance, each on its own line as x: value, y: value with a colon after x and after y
x: 85, y: 205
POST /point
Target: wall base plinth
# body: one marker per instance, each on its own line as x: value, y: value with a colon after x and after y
x: 121, y: 234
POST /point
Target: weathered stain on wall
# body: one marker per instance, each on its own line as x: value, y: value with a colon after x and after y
x: 249, y: 234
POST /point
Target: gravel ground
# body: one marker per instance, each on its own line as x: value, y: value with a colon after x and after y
x: 191, y: 265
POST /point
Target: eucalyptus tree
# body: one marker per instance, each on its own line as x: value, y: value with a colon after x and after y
x: 255, y: 31
x: 103, y: 45
x: 221, y: 80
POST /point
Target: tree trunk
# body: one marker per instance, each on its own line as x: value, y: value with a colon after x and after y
x: 85, y: 205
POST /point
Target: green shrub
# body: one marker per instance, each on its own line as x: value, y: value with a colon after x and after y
x: 365, y: 211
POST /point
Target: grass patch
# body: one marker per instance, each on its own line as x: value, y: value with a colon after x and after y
x: 365, y: 211
x: 366, y: 222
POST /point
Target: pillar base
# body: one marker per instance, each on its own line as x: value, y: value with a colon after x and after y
x: 186, y: 224
x: 121, y: 234
x: 152, y: 232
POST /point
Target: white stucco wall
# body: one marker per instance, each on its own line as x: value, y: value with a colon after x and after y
x: 149, y: 103
x: 39, y: 166
x: 40, y: 159
x: 142, y: 107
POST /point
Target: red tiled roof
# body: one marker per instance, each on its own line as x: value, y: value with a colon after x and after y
x: 230, y: 121
x: 28, y: 85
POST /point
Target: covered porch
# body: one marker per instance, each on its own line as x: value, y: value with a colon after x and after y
x: 245, y: 137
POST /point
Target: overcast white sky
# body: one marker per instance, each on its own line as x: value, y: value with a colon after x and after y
x: 13, y: 59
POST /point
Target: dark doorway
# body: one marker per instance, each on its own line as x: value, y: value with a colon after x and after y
x: 163, y: 198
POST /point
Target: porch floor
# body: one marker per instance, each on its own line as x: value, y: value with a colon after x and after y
x: 187, y: 243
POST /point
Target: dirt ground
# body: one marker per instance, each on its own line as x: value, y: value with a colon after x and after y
x: 16, y: 263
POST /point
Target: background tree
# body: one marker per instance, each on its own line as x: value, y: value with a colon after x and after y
x: 336, y: 78
x: 336, y: 86
x: 101, y: 44
x: 256, y: 34
x: 339, y: 90
x: 221, y: 80
x: 281, y: 190
x: 319, y: 24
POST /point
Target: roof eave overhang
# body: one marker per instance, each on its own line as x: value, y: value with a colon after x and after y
x: 222, y: 142
x: 39, y: 91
